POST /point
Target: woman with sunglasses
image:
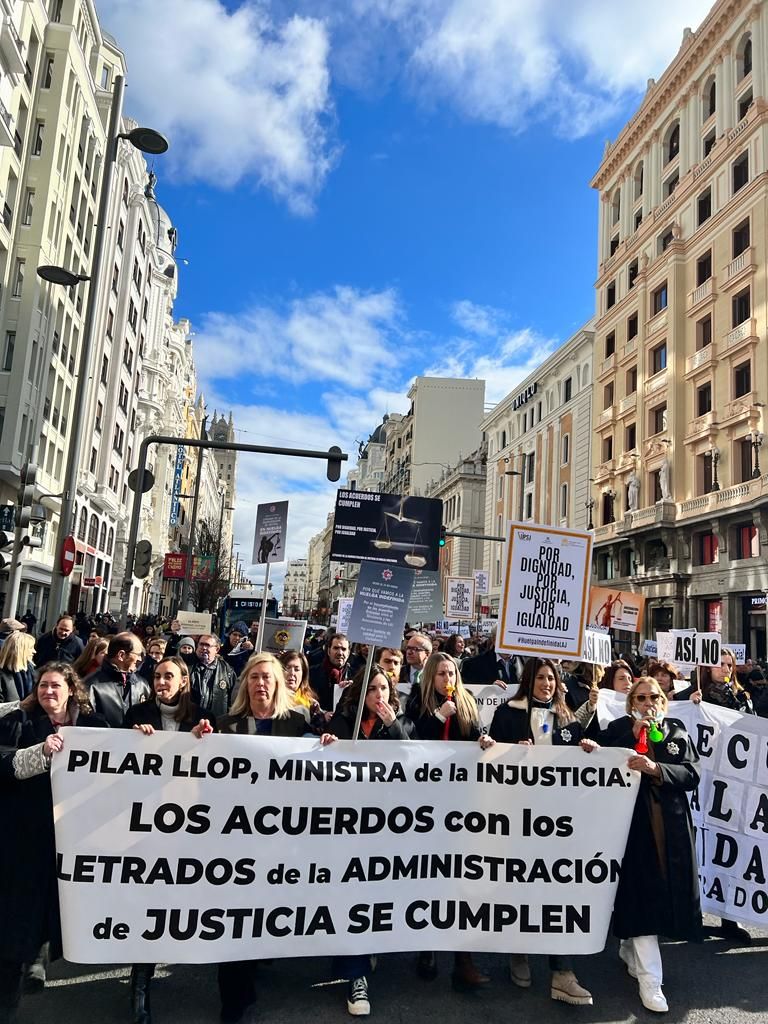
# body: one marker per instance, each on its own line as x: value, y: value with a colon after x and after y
x: 658, y: 891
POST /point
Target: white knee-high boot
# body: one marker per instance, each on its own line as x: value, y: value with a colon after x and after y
x: 650, y: 972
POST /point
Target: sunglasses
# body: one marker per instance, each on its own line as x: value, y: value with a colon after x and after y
x: 641, y: 698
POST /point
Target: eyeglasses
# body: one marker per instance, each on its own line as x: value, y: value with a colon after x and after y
x: 641, y: 698
x: 412, y: 649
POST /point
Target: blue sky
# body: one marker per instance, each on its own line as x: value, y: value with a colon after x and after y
x: 367, y: 190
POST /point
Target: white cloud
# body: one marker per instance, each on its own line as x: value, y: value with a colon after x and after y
x: 483, y: 320
x: 346, y: 335
x: 240, y: 95
x: 510, y: 62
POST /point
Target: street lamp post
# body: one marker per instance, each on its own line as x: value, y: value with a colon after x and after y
x: 755, y: 438
x: 149, y: 141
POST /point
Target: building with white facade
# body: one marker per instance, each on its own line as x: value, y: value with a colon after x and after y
x: 461, y: 488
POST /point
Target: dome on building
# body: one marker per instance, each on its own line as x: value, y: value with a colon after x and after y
x: 164, y: 237
x: 379, y: 436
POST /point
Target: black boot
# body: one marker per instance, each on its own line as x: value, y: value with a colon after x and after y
x: 141, y: 978
x: 35, y: 972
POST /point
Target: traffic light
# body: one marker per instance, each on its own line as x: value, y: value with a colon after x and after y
x: 6, y: 546
x: 142, y: 559
x: 27, y: 494
x: 442, y: 536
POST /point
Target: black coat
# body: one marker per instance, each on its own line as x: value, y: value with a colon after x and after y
x: 294, y: 724
x: 105, y: 692
x: 343, y: 725
x: 50, y: 648
x: 148, y: 713
x: 29, y: 903
x: 484, y: 668
x: 512, y: 724
x: 428, y: 725
x: 650, y: 901
x: 323, y: 685
x: 212, y: 691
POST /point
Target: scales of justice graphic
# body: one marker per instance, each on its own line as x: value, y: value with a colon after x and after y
x: 384, y: 540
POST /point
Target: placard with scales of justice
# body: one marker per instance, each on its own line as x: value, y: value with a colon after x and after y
x: 392, y: 528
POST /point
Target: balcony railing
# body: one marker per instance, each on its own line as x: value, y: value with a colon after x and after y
x: 699, y: 359
x: 656, y: 382
x: 704, y: 291
x: 741, y: 262
x: 740, y: 333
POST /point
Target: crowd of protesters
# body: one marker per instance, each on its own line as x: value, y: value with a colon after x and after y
x: 152, y: 678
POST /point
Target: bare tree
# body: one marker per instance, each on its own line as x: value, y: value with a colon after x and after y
x: 213, y: 571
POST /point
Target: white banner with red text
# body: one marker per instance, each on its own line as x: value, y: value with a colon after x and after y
x: 227, y: 848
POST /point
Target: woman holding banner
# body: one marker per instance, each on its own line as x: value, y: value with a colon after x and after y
x: 29, y: 903
x: 719, y: 685
x: 538, y: 714
x: 658, y: 891
x: 263, y: 706
x: 442, y: 709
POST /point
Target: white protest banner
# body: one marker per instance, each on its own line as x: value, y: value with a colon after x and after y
x: 488, y: 697
x: 597, y: 647
x: 730, y: 806
x: 482, y: 580
x: 739, y: 652
x: 487, y: 625
x: 193, y: 623
x: 292, y: 849
x: 460, y: 597
x: 688, y: 648
x: 343, y: 614
x: 546, y: 591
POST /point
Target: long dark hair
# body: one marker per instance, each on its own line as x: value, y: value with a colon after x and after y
x: 351, y: 696
x: 525, y: 689
x: 77, y: 692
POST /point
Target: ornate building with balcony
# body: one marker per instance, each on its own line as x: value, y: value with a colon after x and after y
x: 681, y: 337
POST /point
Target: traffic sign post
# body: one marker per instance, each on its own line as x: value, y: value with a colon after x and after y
x: 68, y: 552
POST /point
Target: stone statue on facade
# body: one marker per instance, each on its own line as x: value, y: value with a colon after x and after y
x: 633, y: 492
x: 666, y: 493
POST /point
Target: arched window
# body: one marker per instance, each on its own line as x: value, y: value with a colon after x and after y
x: 709, y: 99
x: 672, y: 142
x: 93, y: 531
x: 744, y: 57
x: 82, y: 526
x: 103, y: 537
x: 638, y: 180
x: 111, y: 540
x: 616, y: 207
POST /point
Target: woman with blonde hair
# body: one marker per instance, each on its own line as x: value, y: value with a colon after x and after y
x: 17, y: 671
x: 442, y: 709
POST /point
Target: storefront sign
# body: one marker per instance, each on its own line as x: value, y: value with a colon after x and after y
x: 178, y: 472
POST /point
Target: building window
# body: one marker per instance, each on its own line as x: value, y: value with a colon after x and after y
x: 103, y: 537
x: 93, y: 531
x: 29, y: 207
x: 742, y: 379
x: 607, y: 449
x: 99, y: 415
x: 111, y: 540
x: 566, y: 450
x: 638, y: 219
x: 673, y: 143
x: 48, y: 73
x: 657, y: 419
x: 530, y: 460
x: 608, y: 396
x: 632, y: 271
x: 708, y: 143
x: 743, y: 460
x: 18, y: 278
x: 630, y: 437
x: 671, y: 184
x: 638, y: 180
x: 710, y: 100
x: 631, y: 380
x: 37, y: 138
x: 82, y: 526
x: 616, y: 207
x: 740, y: 308
x: 748, y: 541
x: 610, y: 295
x: 632, y: 326
x: 614, y: 245
x: 567, y: 389
x: 744, y: 103
x: 707, y: 548
x: 704, y: 332
x: 740, y: 172
x: 564, y: 501
x: 659, y: 299
x: 704, y: 268
x: 659, y: 358
x: 740, y: 238
x: 610, y: 344
x: 665, y: 240
x: 704, y: 399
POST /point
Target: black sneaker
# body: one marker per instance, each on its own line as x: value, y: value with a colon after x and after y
x: 733, y: 932
x: 357, y: 997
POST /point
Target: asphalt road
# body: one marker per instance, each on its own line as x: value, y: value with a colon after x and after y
x: 715, y: 983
